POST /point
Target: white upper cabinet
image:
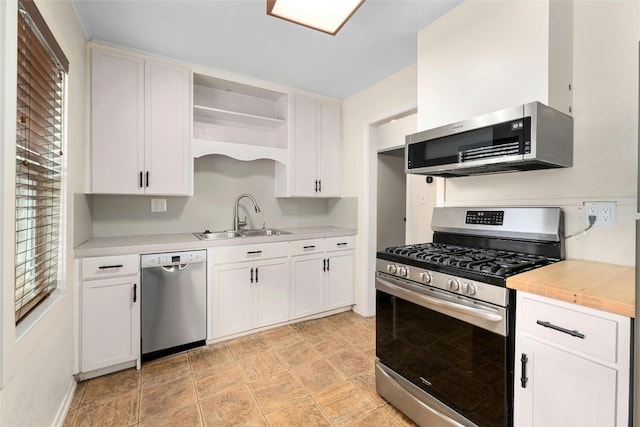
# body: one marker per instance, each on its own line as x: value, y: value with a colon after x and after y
x: 140, y: 125
x: 315, y: 135
x: 238, y: 120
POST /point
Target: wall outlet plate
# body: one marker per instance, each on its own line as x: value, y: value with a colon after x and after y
x: 158, y: 205
x: 605, y: 213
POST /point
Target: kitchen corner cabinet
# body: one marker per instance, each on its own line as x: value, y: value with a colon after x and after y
x: 250, y: 287
x: 572, y: 365
x: 322, y: 275
x: 315, y: 135
x: 140, y: 125
x: 110, y: 312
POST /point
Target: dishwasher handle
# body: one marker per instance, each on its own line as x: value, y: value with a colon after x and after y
x: 174, y: 268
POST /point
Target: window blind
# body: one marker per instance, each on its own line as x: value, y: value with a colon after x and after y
x: 41, y: 79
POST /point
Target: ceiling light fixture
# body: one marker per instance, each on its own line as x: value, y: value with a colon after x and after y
x: 327, y: 16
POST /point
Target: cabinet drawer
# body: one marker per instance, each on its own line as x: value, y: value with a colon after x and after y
x: 250, y: 252
x: 600, y: 333
x: 339, y: 243
x: 111, y: 266
x: 306, y: 247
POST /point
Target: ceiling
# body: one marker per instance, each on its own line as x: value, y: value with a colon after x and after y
x: 239, y: 37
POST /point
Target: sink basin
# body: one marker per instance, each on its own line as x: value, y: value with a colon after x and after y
x: 214, y: 235
x: 263, y: 232
x: 230, y: 234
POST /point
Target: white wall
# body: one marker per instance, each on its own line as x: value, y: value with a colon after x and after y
x: 605, y: 110
x: 218, y: 181
x: 38, y: 359
x: 393, y: 96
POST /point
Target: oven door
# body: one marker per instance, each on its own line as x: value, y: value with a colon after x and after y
x: 452, y: 353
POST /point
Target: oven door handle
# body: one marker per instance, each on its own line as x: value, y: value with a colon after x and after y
x: 426, y: 301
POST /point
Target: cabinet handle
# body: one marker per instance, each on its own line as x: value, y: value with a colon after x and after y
x: 106, y: 267
x: 140, y: 181
x: 523, y: 375
x: 147, y: 179
x: 328, y: 265
x: 324, y: 265
x: 309, y: 247
x: 319, y: 186
x: 253, y: 252
x: 573, y: 333
x: 316, y: 185
x: 252, y: 275
x: 135, y: 292
x: 256, y: 274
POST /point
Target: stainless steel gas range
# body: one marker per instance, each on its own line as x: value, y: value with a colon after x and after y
x: 445, y: 319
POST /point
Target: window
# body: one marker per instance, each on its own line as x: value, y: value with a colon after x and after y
x: 42, y: 69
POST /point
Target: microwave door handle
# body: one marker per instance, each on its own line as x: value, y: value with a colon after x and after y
x: 426, y: 301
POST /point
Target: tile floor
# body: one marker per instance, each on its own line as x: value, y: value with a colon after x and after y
x: 314, y: 373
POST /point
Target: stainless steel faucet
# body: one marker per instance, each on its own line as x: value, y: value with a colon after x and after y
x: 237, y: 223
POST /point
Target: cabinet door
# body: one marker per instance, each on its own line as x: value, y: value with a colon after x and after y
x: 307, y: 294
x: 110, y: 322
x: 563, y: 389
x: 304, y: 133
x: 271, y: 288
x: 328, y: 148
x: 232, y: 299
x: 167, y: 142
x: 117, y: 122
x: 340, y: 282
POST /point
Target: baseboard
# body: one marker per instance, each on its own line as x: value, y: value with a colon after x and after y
x: 63, y: 410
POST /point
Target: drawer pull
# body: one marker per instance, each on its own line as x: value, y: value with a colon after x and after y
x: 106, y: 267
x: 560, y: 329
x: 254, y: 252
x: 342, y: 244
x: 309, y: 247
x: 523, y: 375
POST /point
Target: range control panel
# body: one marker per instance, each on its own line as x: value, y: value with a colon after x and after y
x: 485, y: 217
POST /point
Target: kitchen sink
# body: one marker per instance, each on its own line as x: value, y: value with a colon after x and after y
x: 215, y: 235
x: 263, y: 232
x: 230, y: 234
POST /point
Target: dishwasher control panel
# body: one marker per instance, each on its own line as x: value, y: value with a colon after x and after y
x: 172, y: 258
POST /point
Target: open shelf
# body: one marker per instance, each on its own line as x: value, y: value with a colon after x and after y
x: 238, y: 120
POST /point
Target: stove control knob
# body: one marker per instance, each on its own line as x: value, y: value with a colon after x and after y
x: 453, y: 284
x: 468, y: 288
x: 391, y: 268
x: 402, y: 271
x: 425, y: 277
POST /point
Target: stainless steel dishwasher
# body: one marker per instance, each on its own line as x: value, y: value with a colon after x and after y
x: 174, y: 302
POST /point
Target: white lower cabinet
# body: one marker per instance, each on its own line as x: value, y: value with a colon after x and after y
x: 249, y: 291
x: 322, y: 275
x: 110, y: 312
x: 572, y: 365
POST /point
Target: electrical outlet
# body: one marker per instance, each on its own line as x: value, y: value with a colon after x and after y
x: 158, y: 205
x: 605, y: 213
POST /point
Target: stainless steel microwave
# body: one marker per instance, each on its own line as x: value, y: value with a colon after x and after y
x: 526, y: 137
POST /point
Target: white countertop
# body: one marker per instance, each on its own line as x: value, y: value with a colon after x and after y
x: 123, y: 245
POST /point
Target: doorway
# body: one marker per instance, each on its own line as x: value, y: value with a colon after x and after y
x: 391, y: 200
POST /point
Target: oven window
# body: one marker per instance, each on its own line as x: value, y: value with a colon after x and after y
x: 461, y: 365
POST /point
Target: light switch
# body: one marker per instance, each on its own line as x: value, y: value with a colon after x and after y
x: 158, y: 205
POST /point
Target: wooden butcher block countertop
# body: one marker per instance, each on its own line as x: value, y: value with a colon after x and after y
x: 592, y: 284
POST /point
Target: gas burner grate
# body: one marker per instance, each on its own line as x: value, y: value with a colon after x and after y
x: 487, y: 261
